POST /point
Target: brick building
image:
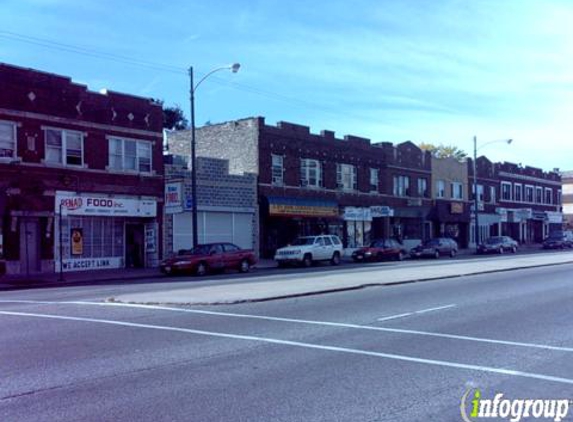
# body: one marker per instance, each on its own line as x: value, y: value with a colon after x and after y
x: 529, y: 202
x: 226, y: 205
x: 317, y: 183
x: 489, y: 219
x: 567, y: 189
x: 451, y: 213
x: 79, y: 166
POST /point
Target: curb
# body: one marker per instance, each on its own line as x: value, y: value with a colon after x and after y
x: 338, y: 290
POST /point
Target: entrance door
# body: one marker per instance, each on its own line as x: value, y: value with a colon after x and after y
x: 29, y: 246
x: 134, y: 245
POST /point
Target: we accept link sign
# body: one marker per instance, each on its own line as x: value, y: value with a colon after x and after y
x: 474, y: 407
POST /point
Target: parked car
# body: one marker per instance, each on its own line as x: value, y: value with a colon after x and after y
x: 435, y: 247
x: 309, y: 249
x: 209, y: 257
x: 379, y: 250
x: 498, y: 244
x: 559, y: 239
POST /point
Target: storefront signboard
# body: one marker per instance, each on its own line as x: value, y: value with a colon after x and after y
x: 456, y: 208
x: 296, y: 207
x: 552, y: 217
x: 101, y: 206
x: 381, y: 211
x: 357, y: 214
x: 89, y: 264
x: 173, y: 198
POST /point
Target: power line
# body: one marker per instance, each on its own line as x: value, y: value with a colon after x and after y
x: 69, y: 48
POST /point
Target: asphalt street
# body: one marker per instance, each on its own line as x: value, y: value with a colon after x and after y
x: 394, y: 353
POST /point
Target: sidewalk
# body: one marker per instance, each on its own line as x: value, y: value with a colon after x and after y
x: 316, y: 283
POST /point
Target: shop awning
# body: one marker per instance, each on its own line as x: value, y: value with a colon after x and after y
x: 302, y: 207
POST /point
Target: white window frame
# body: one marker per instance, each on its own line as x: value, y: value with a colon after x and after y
x: 307, y: 165
x: 492, y: 195
x: 14, y: 139
x: 559, y: 199
x: 480, y: 192
x: 64, y: 147
x: 346, y: 177
x: 457, y: 190
x: 422, y: 186
x: 401, y: 185
x: 531, y: 189
x: 538, y: 199
x: 510, y: 190
x: 518, y: 187
x: 550, y: 202
x: 374, y: 177
x: 123, y: 168
x: 277, y: 170
x: 440, y: 189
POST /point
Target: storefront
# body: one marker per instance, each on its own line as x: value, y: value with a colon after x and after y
x: 283, y: 219
x: 98, y: 231
x: 357, y: 227
x: 451, y: 219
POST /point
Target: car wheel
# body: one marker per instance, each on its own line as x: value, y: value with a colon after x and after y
x: 201, y: 269
x: 307, y: 260
x: 514, y: 249
x: 281, y: 264
x: 245, y: 266
x: 452, y: 253
x: 501, y: 250
x: 400, y: 256
x: 335, y: 258
x: 437, y: 254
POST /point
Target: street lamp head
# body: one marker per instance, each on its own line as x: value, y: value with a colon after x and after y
x: 509, y: 141
x: 235, y: 67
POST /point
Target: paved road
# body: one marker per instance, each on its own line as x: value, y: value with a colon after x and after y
x: 400, y: 353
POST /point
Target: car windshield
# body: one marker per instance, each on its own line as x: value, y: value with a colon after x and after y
x: 493, y: 240
x: 303, y: 241
x: 432, y: 242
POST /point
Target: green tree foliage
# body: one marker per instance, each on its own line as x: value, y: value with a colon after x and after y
x: 444, y: 151
x: 174, y: 118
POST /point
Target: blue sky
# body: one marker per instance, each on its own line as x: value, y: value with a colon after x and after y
x: 436, y: 71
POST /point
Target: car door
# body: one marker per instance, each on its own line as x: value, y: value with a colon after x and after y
x: 231, y: 255
x: 216, y: 260
x: 320, y: 248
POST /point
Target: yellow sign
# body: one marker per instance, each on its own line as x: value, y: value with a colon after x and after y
x: 77, y: 241
x: 457, y: 208
x: 302, y: 210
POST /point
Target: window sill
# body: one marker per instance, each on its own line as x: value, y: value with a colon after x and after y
x: 130, y: 172
x: 10, y: 160
x: 60, y: 165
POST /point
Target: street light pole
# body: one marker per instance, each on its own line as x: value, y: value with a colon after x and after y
x: 192, y: 88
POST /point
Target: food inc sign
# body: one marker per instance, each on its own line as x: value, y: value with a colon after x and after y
x: 82, y: 204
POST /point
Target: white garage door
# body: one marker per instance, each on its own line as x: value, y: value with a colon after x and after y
x: 236, y: 228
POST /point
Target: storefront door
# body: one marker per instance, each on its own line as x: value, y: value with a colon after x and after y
x: 134, y: 245
x: 29, y: 246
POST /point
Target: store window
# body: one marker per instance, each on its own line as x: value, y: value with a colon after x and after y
x: 129, y: 155
x: 346, y: 177
x: 358, y: 233
x: 102, y: 237
x: 7, y: 139
x: 64, y: 147
x: 310, y: 173
x: 277, y: 169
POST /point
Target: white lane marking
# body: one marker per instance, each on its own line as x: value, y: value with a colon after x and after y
x: 300, y: 321
x: 423, y: 311
x: 433, y: 362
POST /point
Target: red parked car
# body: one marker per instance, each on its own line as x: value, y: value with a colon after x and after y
x: 379, y: 250
x: 209, y: 257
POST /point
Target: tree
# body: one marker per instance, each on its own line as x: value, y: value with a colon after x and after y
x: 174, y: 118
x: 444, y: 151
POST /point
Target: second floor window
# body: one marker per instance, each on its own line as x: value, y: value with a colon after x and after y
x: 457, y: 190
x: 374, y: 180
x: 517, y: 192
x: 492, y: 194
x: 549, y: 196
x: 346, y: 177
x: 130, y: 155
x: 64, y: 147
x: 538, y: 195
x: 529, y: 194
x: 310, y: 173
x: 440, y: 189
x: 506, y: 191
x: 401, y: 186
x: 480, y: 193
x: 423, y: 187
x: 7, y: 140
x: 277, y: 169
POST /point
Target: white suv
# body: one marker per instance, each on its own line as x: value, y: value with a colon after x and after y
x: 306, y: 250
